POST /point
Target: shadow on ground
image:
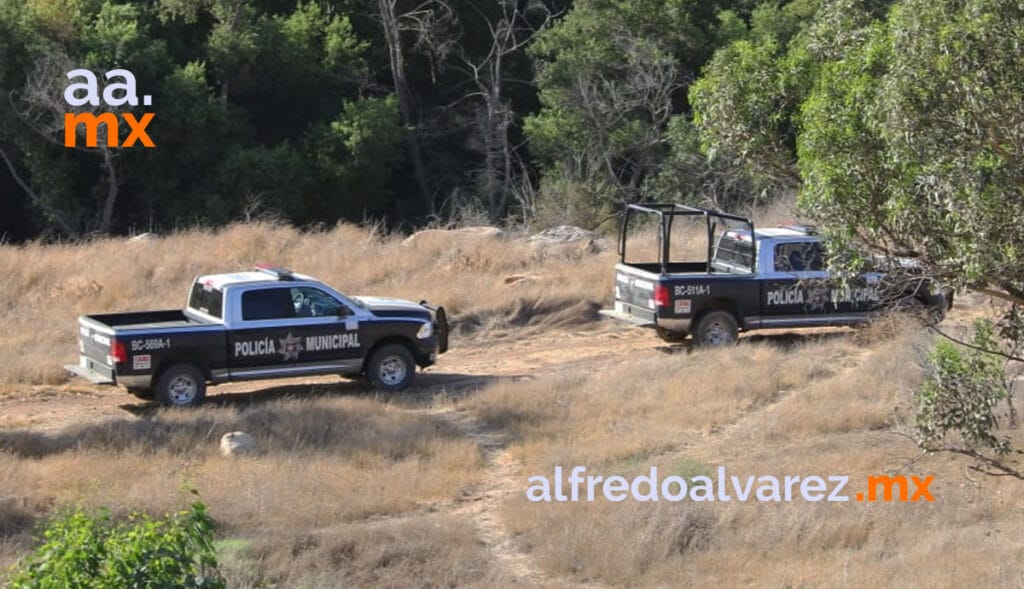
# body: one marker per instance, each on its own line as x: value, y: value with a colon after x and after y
x: 785, y: 341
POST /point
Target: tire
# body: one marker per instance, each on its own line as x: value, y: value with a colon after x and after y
x: 180, y: 385
x: 920, y: 310
x: 672, y: 337
x: 391, y: 368
x: 716, y: 329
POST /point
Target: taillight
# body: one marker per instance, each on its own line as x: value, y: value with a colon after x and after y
x: 661, y: 295
x: 118, y: 353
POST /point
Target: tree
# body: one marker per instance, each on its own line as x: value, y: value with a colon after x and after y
x: 964, y: 386
x: 747, y: 101
x: 390, y: 22
x: 114, y: 36
x: 509, y: 33
x: 611, y: 75
x: 913, y: 144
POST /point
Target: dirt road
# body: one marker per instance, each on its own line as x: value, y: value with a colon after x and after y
x: 468, y: 366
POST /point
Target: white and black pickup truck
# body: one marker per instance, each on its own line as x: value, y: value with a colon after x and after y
x: 267, y: 323
x: 746, y: 279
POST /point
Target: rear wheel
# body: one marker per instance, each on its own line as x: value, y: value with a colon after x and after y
x: 181, y: 385
x: 715, y: 329
x: 391, y: 368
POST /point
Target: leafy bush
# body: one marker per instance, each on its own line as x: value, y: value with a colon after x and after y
x: 85, y: 550
x: 963, y: 388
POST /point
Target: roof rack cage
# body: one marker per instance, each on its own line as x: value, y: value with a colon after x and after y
x: 666, y: 213
x: 277, y: 272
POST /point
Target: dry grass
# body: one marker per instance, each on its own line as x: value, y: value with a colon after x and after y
x: 356, y: 491
x: 488, y: 283
x: 825, y: 405
x: 641, y: 407
x: 325, y: 463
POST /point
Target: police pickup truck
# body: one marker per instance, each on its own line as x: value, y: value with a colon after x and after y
x: 267, y: 323
x: 745, y: 279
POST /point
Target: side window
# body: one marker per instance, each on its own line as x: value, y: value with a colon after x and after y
x: 206, y: 299
x: 799, y: 257
x: 313, y: 302
x: 267, y: 303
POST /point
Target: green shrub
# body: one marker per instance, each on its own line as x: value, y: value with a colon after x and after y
x: 83, y: 550
x: 964, y: 386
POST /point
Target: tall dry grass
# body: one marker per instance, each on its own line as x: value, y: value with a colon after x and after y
x: 327, y: 466
x: 488, y: 283
x: 821, y: 404
x: 353, y: 491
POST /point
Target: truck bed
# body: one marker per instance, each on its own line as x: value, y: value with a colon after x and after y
x: 172, y: 318
x: 673, y: 267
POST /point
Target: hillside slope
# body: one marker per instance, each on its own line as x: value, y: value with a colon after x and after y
x: 428, y: 488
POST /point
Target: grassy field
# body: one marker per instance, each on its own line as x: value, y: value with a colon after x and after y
x: 428, y: 488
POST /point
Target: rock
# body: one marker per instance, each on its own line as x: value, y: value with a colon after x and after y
x: 564, y: 234
x: 444, y: 238
x: 517, y: 279
x: 238, y: 444
x: 566, y: 242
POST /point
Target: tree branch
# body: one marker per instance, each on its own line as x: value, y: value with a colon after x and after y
x: 56, y: 215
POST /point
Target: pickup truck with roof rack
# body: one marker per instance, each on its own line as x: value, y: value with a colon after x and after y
x: 747, y: 279
x: 266, y: 323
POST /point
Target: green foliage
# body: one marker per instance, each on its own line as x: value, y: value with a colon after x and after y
x: 747, y: 101
x: 611, y: 73
x: 242, y: 99
x: 690, y: 177
x: 83, y: 550
x: 899, y: 122
x: 911, y: 142
x: 963, y: 388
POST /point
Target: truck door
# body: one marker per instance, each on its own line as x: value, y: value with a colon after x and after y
x: 290, y: 325
x: 796, y: 284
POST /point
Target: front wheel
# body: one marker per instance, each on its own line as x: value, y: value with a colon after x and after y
x: 717, y: 328
x: 391, y: 368
x: 181, y: 385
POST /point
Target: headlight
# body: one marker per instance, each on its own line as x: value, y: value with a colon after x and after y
x: 426, y: 330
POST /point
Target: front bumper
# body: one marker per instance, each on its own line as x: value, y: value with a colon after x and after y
x: 440, y: 320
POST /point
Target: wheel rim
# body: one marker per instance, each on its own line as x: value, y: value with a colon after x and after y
x: 717, y: 334
x: 182, y: 389
x: 392, y: 370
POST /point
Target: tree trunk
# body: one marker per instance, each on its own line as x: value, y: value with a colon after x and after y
x: 55, y: 215
x: 389, y: 21
x: 112, y: 189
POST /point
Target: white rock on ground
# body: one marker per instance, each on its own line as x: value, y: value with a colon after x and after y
x: 238, y: 444
x: 566, y: 242
x: 446, y: 237
x: 564, y: 234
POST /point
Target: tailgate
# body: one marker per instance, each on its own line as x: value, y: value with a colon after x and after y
x: 634, y: 293
x: 94, y: 345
